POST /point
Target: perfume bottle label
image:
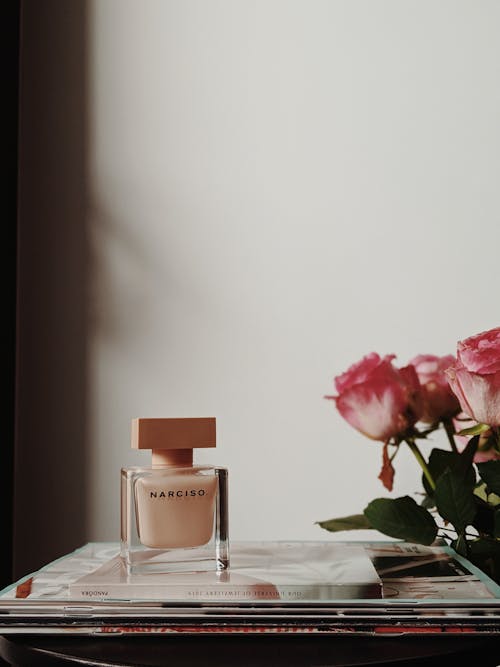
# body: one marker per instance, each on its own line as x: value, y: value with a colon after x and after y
x: 177, y: 494
x: 175, y: 511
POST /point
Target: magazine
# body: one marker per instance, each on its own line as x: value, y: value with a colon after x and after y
x: 419, y: 572
x: 414, y: 589
x: 260, y: 571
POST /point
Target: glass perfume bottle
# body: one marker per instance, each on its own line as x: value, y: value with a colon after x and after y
x: 174, y: 514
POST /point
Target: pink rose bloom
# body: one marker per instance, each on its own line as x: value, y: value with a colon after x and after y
x: 379, y: 400
x: 488, y: 453
x: 438, y: 399
x: 486, y: 450
x: 475, y: 376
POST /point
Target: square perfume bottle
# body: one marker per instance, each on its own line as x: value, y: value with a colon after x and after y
x: 174, y: 514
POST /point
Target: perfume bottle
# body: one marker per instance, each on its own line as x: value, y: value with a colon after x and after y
x: 174, y: 514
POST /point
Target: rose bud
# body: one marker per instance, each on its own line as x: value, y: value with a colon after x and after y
x: 439, y: 401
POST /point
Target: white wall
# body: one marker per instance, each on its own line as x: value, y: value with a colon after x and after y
x: 278, y: 187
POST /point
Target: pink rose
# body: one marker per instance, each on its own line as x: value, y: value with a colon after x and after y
x: 486, y: 453
x: 439, y: 400
x: 486, y: 450
x: 475, y: 376
x: 379, y: 400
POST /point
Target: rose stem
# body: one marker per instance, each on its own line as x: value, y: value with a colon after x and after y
x: 418, y: 455
x: 450, y: 432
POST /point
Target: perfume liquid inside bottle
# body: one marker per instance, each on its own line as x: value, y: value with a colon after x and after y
x: 173, y: 513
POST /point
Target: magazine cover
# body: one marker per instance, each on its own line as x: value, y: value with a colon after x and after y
x: 284, y: 571
x: 417, y: 572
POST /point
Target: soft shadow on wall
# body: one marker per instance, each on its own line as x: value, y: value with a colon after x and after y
x: 52, y: 299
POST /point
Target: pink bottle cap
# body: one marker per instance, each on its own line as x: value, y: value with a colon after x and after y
x: 172, y: 440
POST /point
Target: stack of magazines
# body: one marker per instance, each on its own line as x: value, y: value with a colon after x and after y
x: 365, y: 588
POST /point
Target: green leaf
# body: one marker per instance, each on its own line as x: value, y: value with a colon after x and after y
x: 484, y: 547
x: 428, y: 502
x: 353, y: 522
x: 466, y: 458
x: 484, y: 519
x: 490, y: 473
x: 402, y: 518
x: 460, y: 545
x: 439, y: 461
x: 477, y: 429
x: 485, y: 554
x: 454, y: 499
x: 491, y: 498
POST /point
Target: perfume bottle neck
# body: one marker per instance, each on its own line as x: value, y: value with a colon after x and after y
x: 172, y: 457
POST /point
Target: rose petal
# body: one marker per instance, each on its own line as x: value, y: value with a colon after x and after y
x: 439, y: 401
x: 387, y: 472
x: 358, y: 372
x: 479, y: 396
x: 376, y: 410
x: 481, y: 353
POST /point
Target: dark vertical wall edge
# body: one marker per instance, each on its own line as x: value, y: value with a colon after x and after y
x: 50, y: 453
x: 10, y: 16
